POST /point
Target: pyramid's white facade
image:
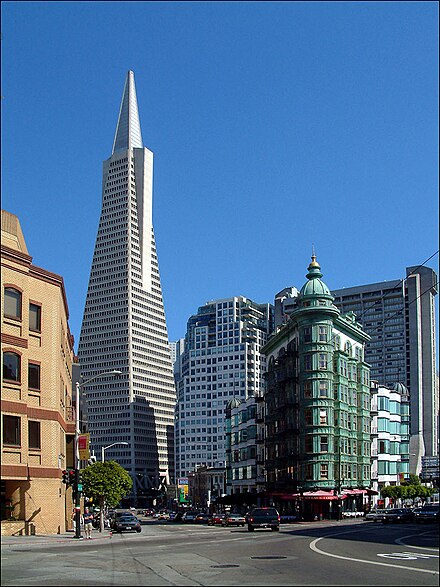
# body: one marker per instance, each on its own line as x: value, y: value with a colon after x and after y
x: 124, y: 323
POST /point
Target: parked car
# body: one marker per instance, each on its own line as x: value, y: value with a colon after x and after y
x: 374, y: 515
x: 189, y: 516
x: 263, y: 518
x: 126, y: 523
x: 397, y: 515
x: 216, y: 519
x: 426, y: 513
x: 201, y: 518
x: 234, y: 520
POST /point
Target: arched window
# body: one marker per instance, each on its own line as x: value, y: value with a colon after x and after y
x: 11, y: 366
x: 337, y: 343
x: 348, y: 348
x: 12, y: 307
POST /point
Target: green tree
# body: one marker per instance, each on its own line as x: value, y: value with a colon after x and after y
x: 413, y: 480
x: 392, y: 491
x: 411, y: 489
x: 106, y: 483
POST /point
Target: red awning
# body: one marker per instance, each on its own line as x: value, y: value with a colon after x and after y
x: 371, y: 492
x: 360, y: 492
x: 320, y: 495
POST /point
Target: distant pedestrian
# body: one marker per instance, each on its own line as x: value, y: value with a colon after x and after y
x: 81, y: 520
x: 88, y: 523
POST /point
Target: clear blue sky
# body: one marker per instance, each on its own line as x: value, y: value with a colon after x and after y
x: 274, y: 125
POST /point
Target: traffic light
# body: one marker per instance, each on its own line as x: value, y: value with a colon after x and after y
x: 71, y: 478
x: 66, y: 478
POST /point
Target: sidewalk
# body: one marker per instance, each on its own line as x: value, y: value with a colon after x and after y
x: 65, y: 537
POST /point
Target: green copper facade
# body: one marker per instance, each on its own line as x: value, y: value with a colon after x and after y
x: 318, y: 419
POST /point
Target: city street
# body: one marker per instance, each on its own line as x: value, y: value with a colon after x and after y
x: 316, y: 553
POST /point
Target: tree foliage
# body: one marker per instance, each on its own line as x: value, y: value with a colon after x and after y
x: 106, y: 482
x: 411, y: 489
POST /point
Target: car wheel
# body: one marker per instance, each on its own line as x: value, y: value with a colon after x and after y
x: 274, y: 528
x: 250, y: 528
x: 139, y: 530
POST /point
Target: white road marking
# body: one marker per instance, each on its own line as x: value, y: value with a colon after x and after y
x: 400, y: 541
x: 358, y: 560
x: 407, y: 555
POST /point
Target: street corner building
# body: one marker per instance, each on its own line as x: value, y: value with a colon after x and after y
x: 124, y: 325
x: 317, y: 399
x: 36, y: 391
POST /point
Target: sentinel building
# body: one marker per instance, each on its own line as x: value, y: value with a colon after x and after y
x: 124, y: 325
x: 317, y: 396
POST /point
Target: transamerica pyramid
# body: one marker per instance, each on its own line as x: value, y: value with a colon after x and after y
x: 124, y: 325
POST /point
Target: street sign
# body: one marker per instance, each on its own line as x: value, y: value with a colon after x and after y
x: 80, y: 487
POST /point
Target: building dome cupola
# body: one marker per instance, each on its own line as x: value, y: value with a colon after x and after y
x: 400, y: 388
x: 314, y: 288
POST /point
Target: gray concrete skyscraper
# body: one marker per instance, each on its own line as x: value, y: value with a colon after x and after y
x: 124, y: 323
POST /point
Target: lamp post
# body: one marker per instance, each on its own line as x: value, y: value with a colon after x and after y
x: 104, y: 448
x: 77, y: 493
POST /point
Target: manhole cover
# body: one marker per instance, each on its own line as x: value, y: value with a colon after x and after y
x: 223, y: 566
x: 269, y: 556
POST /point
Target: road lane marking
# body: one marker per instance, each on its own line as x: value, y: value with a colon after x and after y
x: 358, y: 560
x: 407, y: 555
x: 400, y: 541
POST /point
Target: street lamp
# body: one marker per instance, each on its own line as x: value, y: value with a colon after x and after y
x: 109, y: 446
x: 76, y: 448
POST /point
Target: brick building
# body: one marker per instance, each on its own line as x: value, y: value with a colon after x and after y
x: 36, y: 389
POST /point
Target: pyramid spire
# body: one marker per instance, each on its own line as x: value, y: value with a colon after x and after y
x: 128, y: 130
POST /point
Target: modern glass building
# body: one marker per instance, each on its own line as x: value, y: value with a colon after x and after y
x: 124, y: 323
x: 221, y: 361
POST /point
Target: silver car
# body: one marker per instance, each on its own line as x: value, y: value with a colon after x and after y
x: 374, y: 515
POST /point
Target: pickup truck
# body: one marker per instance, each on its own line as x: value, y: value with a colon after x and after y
x: 263, y: 518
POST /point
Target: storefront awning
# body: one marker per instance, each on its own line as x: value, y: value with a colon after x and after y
x: 325, y: 495
x: 352, y: 492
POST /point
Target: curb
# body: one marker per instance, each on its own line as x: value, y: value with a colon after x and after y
x: 47, y: 539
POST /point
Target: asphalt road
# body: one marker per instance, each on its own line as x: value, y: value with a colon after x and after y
x: 317, y: 553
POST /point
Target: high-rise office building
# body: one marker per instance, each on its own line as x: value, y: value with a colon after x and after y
x: 124, y: 323
x: 221, y: 360
x: 399, y: 317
